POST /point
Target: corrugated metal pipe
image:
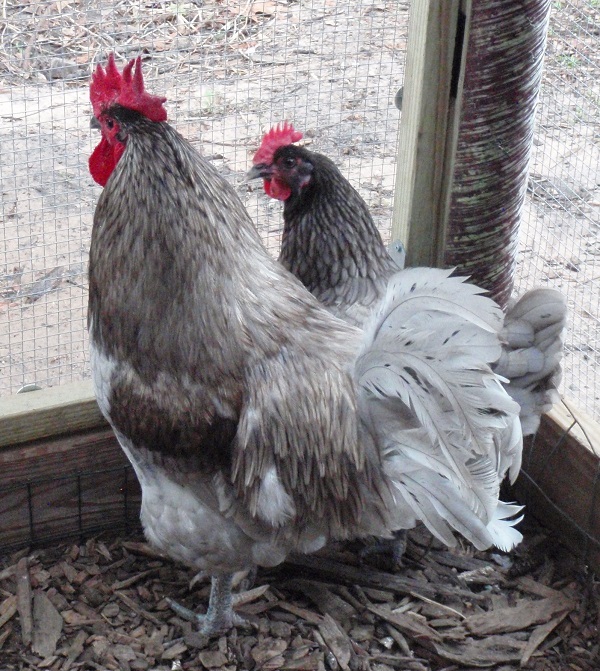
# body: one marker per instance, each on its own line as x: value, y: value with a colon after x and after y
x: 502, y: 79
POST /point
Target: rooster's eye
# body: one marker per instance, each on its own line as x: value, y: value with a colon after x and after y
x: 289, y: 162
x: 109, y: 124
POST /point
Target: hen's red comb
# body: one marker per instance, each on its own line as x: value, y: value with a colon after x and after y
x: 279, y: 136
x: 110, y: 87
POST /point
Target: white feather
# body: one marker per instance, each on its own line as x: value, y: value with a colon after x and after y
x: 427, y: 356
x: 434, y: 290
x: 274, y: 504
x: 502, y: 529
x: 533, y: 333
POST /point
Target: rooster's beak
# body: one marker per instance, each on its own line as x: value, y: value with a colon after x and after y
x: 260, y: 170
x: 95, y: 124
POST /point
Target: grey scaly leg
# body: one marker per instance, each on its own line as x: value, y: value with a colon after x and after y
x: 219, y: 617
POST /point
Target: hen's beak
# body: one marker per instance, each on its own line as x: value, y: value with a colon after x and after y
x: 260, y: 170
x: 95, y: 124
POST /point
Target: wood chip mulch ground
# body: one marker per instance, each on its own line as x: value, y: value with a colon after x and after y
x: 102, y: 604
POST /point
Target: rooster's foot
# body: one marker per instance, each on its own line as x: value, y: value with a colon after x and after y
x: 245, y: 580
x: 391, y: 548
x: 219, y: 617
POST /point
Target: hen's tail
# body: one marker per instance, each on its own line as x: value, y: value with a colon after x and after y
x: 447, y: 429
x: 532, y: 350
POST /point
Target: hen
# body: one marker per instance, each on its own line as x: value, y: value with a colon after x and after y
x: 257, y: 422
x: 331, y: 244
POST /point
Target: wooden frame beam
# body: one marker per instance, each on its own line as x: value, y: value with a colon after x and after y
x: 560, y: 479
x: 433, y: 81
x: 48, y: 413
x: 62, y: 472
x: 57, y: 488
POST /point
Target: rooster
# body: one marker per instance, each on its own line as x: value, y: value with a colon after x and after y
x: 331, y: 244
x: 257, y: 422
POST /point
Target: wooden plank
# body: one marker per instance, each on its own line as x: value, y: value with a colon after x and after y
x: 560, y: 479
x: 438, y: 33
x: 48, y: 412
x: 73, y: 485
x: 81, y: 452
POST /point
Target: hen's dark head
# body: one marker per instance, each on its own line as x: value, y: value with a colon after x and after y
x: 112, y: 94
x: 285, y: 168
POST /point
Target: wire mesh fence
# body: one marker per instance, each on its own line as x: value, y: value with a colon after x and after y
x: 560, y: 230
x: 46, y: 510
x: 230, y: 69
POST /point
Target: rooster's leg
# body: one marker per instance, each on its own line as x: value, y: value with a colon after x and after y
x: 219, y: 617
x: 392, y: 548
x: 249, y: 579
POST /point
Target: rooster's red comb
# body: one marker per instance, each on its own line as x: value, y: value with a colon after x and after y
x: 110, y: 87
x: 279, y: 136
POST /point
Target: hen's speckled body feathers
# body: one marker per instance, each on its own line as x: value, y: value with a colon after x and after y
x: 352, y: 274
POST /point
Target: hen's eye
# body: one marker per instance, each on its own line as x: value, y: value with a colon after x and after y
x: 289, y: 162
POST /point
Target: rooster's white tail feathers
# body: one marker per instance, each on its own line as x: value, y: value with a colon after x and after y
x: 533, y: 342
x: 428, y: 392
